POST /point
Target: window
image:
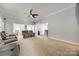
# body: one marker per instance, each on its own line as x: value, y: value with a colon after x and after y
x: 1, y: 25
x: 18, y: 28
x: 42, y: 29
x: 30, y: 27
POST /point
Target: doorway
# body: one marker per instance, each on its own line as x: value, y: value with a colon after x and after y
x: 42, y: 29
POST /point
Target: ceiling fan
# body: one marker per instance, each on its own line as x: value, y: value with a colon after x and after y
x: 33, y: 14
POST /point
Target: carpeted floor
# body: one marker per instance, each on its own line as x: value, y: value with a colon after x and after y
x: 47, y: 47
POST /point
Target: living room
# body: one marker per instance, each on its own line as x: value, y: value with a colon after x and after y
x: 39, y: 29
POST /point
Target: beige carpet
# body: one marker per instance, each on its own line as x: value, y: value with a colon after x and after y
x: 46, y: 47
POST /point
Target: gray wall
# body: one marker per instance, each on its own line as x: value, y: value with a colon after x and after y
x: 77, y: 13
x: 63, y: 25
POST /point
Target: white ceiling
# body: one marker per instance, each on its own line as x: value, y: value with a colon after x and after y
x: 17, y: 10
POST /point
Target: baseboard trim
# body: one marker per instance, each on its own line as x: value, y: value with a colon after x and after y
x: 64, y: 40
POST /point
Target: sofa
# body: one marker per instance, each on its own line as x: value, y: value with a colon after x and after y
x: 27, y: 34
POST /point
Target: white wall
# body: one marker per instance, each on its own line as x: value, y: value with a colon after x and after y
x: 11, y: 21
x: 63, y: 25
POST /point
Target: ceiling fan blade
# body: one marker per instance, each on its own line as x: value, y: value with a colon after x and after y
x: 31, y: 11
x: 35, y: 14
